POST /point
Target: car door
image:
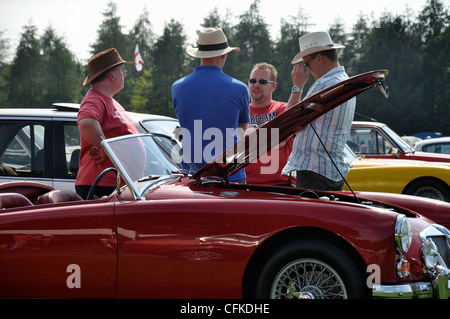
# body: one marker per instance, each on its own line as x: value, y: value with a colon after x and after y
x: 58, y: 251
x: 23, y: 147
x: 44, y: 150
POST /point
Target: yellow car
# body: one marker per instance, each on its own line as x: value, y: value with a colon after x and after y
x: 419, y: 178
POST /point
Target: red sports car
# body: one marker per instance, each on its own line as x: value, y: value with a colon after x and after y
x: 377, y: 140
x: 167, y: 234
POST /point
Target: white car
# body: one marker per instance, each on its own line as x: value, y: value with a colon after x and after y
x: 42, y: 145
x: 434, y: 145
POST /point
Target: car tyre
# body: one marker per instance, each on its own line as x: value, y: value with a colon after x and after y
x: 429, y: 188
x: 310, y: 269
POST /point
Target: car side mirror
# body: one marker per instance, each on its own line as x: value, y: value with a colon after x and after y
x: 395, y: 152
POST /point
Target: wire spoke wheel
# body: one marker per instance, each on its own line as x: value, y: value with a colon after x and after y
x: 429, y: 188
x: 309, y: 268
x: 308, y: 279
x: 429, y: 192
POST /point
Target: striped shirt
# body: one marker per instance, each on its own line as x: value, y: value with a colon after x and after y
x: 333, y: 128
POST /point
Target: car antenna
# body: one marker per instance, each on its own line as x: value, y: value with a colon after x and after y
x: 334, y: 164
x: 367, y: 117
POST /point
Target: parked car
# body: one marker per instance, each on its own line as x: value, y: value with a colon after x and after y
x: 439, y: 145
x: 377, y: 140
x: 411, y: 139
x: 42, y: 145
x: 169, y: 234
x: 401, y: 176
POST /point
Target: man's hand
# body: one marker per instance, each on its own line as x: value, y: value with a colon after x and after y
x: 298, y: 74
x: 97, y: 154
x: 92, y: 131
x: 299, y: 78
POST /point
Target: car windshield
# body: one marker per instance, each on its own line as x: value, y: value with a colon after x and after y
x: 166, y: 127
x: 398, y: 140
x: 350, y: 157
x: 143, y: 159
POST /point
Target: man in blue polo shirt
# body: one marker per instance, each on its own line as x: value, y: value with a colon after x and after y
x: 211, y: 106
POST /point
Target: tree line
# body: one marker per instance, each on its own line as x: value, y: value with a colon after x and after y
x: 412, y: 46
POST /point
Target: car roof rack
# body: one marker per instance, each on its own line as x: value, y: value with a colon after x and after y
x: 67, y: 107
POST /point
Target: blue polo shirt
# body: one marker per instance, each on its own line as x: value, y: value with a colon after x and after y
x: 209, y: 105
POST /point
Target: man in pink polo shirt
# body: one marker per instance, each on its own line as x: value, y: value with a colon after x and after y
x: 101, y: 116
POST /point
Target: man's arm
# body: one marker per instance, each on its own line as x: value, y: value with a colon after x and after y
x: 242, y: 127
x: 92, y: 132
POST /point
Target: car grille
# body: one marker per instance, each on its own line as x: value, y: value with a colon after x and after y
x: 443, y: 247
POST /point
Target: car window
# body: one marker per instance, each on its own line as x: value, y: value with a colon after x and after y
x: 433, y: 148
x: 369, y: 141
x: 72, y: 148
x: 437, y: 148
x: 22, y: 145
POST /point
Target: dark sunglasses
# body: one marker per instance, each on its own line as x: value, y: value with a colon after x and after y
x: 261, y: 81
x: 306, y: 63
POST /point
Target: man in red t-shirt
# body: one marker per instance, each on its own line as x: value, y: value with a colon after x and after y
x: 100, y: 116
x: 261, y: 85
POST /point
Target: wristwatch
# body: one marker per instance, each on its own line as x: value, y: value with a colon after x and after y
x: 296, y: 89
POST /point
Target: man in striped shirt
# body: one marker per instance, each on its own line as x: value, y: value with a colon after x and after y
x: 317, y: 168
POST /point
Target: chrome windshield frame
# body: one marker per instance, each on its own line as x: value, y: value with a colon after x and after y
x: 128, y: 181
x: 135, y: 169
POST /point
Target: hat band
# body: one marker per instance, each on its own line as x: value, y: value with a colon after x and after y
x: 213, y: 47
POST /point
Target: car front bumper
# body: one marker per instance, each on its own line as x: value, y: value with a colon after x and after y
x: 439, y: 288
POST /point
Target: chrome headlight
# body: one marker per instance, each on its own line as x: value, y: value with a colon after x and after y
x: 430, y: 254
x: 403, y: 234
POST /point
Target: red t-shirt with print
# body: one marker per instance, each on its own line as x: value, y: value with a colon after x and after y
x: 114, y: 122
x: 267, y: 170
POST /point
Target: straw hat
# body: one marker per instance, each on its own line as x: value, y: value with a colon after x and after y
x: 102, y: 62
x: 314, y: 42
x: 212, y: 42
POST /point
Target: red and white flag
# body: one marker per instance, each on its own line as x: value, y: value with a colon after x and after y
x: 138, y: 62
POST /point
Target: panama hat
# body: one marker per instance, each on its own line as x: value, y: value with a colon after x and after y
x: 314, y: 42
x: 212, y: 42
x: 102, y: 62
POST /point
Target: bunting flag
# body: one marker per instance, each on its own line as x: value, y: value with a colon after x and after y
x: 138, y: 62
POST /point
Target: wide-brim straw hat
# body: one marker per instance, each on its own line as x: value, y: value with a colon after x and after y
x: 211, y: 43
x: 101, y: 62
x: 314, y: 42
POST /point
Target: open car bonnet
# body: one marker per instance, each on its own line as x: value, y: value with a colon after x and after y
x: 288, y: 123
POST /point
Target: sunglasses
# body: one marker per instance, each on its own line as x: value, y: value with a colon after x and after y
x: 261, y: 81
x: 306, y: 63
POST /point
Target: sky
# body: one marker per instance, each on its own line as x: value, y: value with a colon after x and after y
x: 77, y: 21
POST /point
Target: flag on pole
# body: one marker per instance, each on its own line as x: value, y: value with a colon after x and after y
x: 138, y: 62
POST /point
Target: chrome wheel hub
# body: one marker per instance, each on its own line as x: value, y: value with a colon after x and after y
x: 308, y: 279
